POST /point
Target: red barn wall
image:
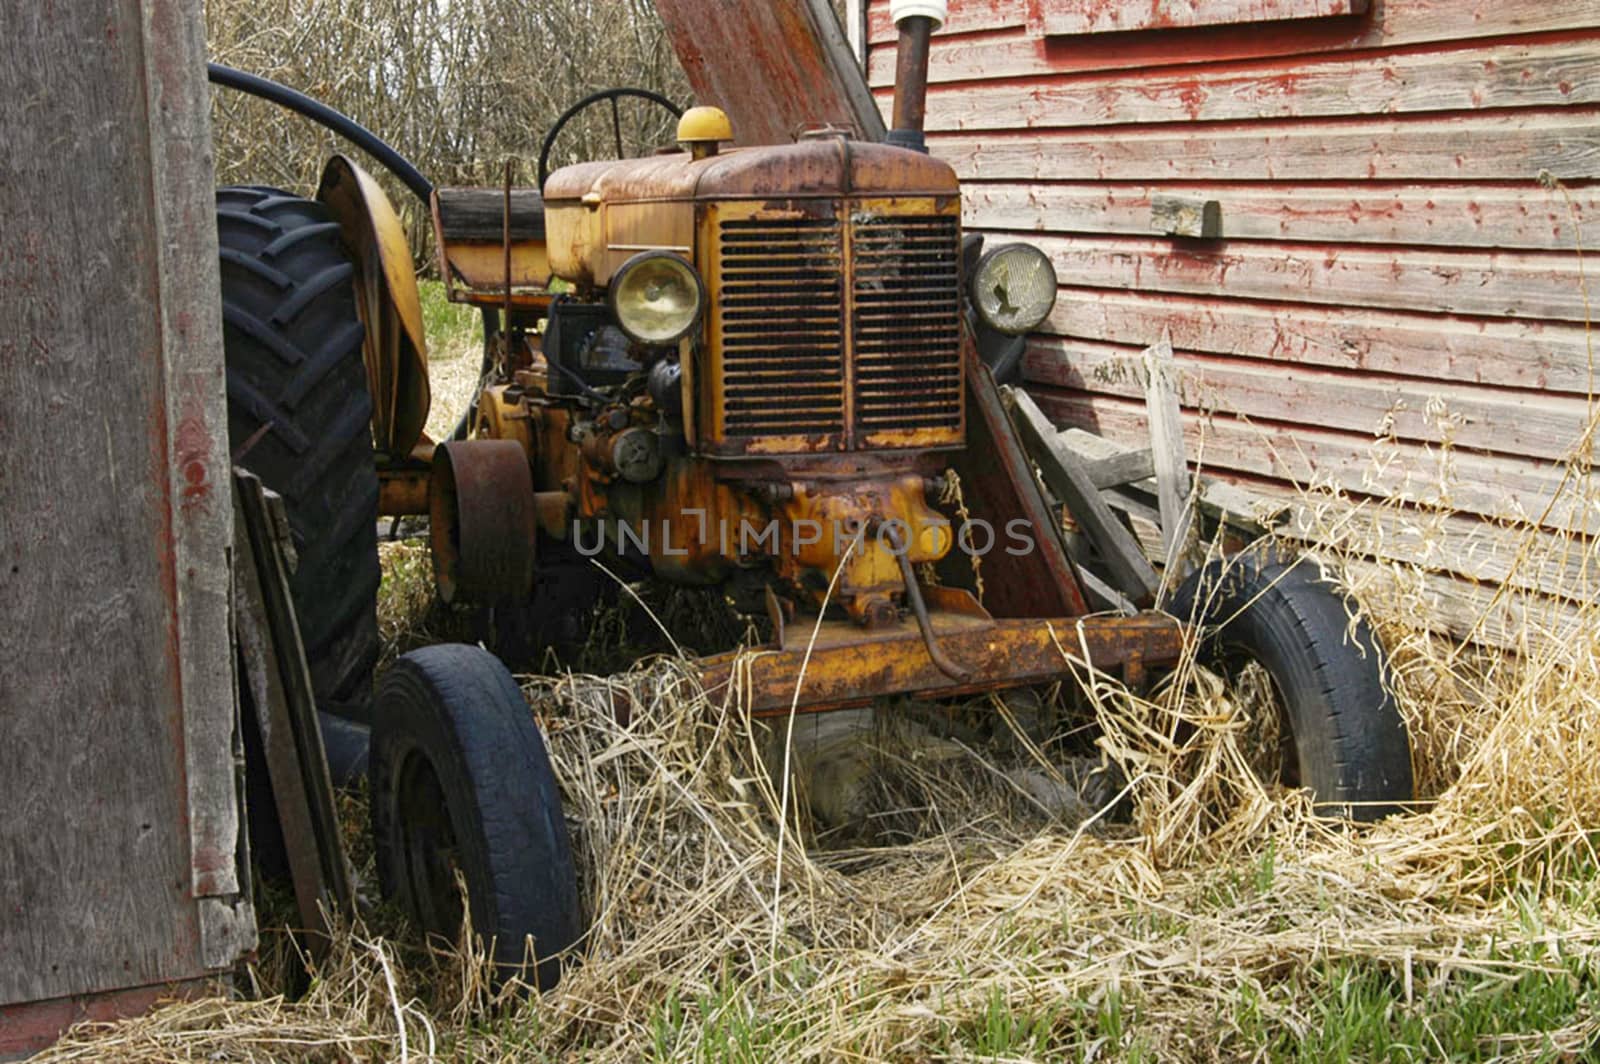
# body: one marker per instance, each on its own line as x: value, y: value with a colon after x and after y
x: 1388, y: 242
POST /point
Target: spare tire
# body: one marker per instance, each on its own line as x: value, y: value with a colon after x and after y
x: 299, y: 417
x: 1342, y: 736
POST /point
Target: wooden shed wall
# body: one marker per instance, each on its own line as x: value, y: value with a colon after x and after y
x: 120, y: 832
x: 1391, y: 261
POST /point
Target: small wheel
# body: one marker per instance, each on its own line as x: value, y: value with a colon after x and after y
x: 462, y: 783
x: 611, y: 96
x: 1282, y: 627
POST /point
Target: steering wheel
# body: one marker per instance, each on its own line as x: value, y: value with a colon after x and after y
x: 611, y: 96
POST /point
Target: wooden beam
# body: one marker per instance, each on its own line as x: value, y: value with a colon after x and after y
x: 1124, y: 467
x: 1530, y: 425
x: 1524, y: 216
x: 1563, y: 74
x: 986, y: 46
x: 1131, y: 573
x: 846, y: 65
x: 119, y: 804
x: 1248, y: 513
x: 1512, y: 146
x: 773, y: 66
x: 1193, y: 217
x: 1492, y: 486
x: 1172, y: 466
x: 283, y: 708
x: 1506, y: 284
x: 1546, y: 356
x: 1072, y: 17
x: 856, y: 28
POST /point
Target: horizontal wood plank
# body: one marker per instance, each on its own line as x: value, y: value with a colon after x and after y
x: 1528, y: 216
x: 1018, y: 51
x: 1521, y: 622
x: 966, y: 16
x: 1532, y: 426
x: 1472, y: 548
x: 1075, y: 16
x: 1501, y: 284
x: 1512, y: 146
x: 1548, y: 356
x: 1498, y: 487
x: 1480, y: 551
x: 1539, y: 75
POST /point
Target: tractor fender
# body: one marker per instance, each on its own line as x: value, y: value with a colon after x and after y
x: 395, y: 348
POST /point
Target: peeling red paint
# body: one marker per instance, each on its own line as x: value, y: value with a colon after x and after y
x: 194, y: 448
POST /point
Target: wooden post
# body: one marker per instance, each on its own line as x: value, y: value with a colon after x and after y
x: 1170, y: 459
x: 120, y: 833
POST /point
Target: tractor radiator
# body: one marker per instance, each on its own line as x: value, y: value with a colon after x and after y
x: 835, y: 327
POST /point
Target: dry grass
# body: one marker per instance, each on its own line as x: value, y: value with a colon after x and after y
x: 1223, y: 923
x: 458, y: 86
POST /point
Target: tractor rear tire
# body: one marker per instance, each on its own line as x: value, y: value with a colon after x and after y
x: 299, y: 417
x: 1342, y: 734
x: 462, y: 786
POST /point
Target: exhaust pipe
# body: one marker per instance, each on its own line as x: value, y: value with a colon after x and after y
x: 916, y: 19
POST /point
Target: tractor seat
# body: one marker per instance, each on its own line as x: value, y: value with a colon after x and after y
x: 478, y: 215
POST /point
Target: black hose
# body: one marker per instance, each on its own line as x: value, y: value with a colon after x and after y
x: 326, y: 116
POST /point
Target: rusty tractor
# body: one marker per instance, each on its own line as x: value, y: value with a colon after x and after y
x: 761, y: 370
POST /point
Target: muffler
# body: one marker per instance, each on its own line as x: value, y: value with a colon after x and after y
x: 916, y: 19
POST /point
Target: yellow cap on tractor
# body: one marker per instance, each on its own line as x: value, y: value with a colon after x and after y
x: 701, y: 129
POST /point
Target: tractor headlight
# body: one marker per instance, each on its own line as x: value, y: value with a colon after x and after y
x: 1014, y: 287
x: 657, y: 297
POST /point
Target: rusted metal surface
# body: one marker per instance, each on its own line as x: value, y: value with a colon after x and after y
x: 834, y: 325
x: 475, y: 232
x: 483, y: 522
x: 403, y: 486
x: 911, y: 74
x: 818, y: 166
x: 775, y: 66
x: 999, y: 487
x: 857, y: 532
x: 598, y: 215
x: 849, y: 666
x: 919, y: 610
x: 403, y: 492
x: 395, y: 348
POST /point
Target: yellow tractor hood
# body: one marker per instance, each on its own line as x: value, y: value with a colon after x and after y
x: 598, y: 215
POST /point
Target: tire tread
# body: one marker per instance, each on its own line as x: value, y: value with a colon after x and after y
x: 297, y: 386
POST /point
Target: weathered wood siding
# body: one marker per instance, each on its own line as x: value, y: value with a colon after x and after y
x: 775, y: 66
x: 119, y: 819
x: 1397, y: 256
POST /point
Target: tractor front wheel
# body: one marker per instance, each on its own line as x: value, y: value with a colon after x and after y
x: 463, y: 794
x: 1283, y: 629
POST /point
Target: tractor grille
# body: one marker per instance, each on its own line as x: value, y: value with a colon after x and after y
x: 906, y: 324
x: 782, y: 311
x: 792, y: 376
